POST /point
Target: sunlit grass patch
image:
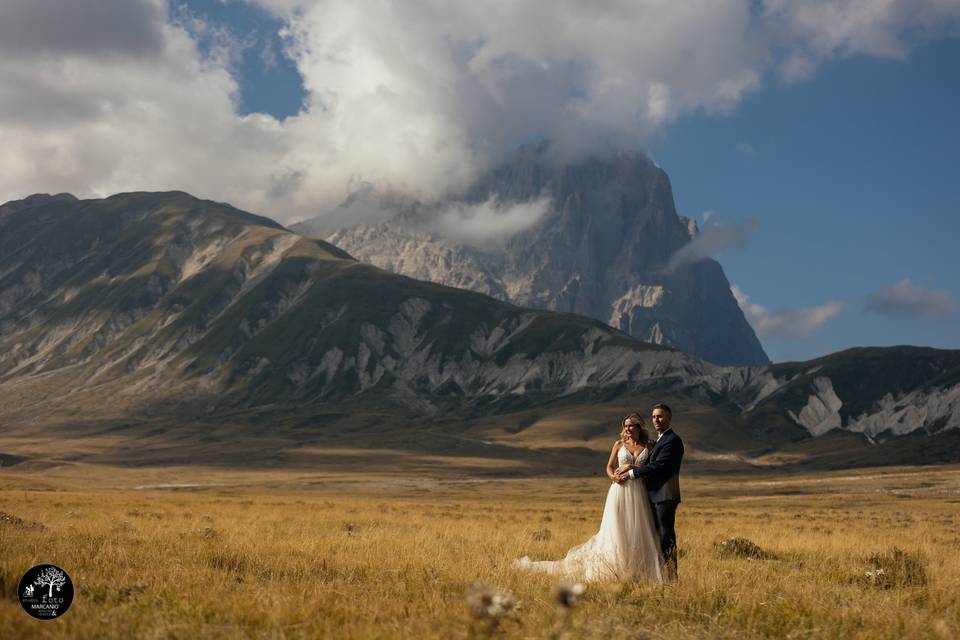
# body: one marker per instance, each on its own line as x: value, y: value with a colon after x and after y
x: 375, y: 563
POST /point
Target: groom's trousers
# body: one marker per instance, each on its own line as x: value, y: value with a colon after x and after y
x: 665, y: 514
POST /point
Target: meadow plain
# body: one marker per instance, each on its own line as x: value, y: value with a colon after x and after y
x: 180, y: 552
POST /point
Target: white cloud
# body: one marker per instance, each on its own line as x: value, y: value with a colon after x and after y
x: 819, y: 29
x: 810, y: 32
x: 715, y: 237
x: 489, y: 221
x: 100, y: 96
x: 906, y: 299
x: 745, y: 148
x: 787, y: 323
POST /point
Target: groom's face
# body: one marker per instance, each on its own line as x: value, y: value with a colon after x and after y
x: 661, y: 420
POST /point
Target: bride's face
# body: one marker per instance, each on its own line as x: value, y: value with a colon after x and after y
x: 633, y: 430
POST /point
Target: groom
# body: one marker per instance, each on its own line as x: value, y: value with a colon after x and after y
x: 661, y: 471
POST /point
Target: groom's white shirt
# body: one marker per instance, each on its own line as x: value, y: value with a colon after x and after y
x: 659, y: 435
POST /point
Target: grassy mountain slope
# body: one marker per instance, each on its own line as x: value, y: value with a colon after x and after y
x: 162, y: 294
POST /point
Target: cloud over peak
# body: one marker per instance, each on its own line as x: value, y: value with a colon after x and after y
x: 490, y: 221
x: 715, y: 237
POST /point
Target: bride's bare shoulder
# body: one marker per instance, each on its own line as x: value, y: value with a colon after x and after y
x: 616, y: 445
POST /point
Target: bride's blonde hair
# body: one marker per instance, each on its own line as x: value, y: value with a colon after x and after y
x: 643, y: 436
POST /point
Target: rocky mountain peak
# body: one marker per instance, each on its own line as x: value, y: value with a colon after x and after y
x: 600, y: 248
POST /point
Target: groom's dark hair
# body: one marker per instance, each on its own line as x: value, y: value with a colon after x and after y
x: 664, y: 407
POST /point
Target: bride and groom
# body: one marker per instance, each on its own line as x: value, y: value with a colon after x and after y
x: 637, y: 539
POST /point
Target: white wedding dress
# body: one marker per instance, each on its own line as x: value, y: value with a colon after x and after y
x: 625, y: 548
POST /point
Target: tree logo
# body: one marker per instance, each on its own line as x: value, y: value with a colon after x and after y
x: 45, y: 592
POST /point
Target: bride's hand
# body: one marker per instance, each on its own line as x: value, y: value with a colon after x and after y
x: 622, y: 473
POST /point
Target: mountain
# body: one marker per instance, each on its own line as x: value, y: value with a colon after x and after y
x: 148, y: 315
x: 602, y: 249
x: 158, y: 295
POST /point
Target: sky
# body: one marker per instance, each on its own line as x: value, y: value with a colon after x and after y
x: 814, y: 141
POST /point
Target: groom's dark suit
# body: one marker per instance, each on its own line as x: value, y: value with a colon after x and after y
x: 661, y: 472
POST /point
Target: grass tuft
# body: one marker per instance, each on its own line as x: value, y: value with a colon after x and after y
x: 896, y: 568
x: 742, y: 548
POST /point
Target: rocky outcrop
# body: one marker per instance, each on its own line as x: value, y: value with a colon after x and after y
x: 424, y: 256
x: 602, y: 249
x: 932, y: 411
x: 822, y: 411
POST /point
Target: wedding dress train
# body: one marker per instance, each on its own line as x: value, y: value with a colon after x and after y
x: 626, y: 546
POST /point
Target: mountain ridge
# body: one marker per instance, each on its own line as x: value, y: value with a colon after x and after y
x: 146, y: 304
x: 199, y: 265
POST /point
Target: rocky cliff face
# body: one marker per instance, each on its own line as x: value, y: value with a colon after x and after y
x: 601, y: 250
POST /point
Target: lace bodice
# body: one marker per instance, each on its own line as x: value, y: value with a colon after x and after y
x: 625, y: 457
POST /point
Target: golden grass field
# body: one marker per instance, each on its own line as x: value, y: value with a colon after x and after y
x: 276, y: 554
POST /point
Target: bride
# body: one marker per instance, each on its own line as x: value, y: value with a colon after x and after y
x: 626, y: 547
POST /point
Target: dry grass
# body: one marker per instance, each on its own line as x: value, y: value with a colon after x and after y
x: 357, y: 558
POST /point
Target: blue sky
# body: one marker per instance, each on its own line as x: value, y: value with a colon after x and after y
x: 269, y: 80
x: 820, y: 135
x: 853, y: 175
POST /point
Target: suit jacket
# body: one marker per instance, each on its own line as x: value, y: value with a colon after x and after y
x: 661, y: 471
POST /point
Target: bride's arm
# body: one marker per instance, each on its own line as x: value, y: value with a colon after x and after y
x: 612, y: 462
